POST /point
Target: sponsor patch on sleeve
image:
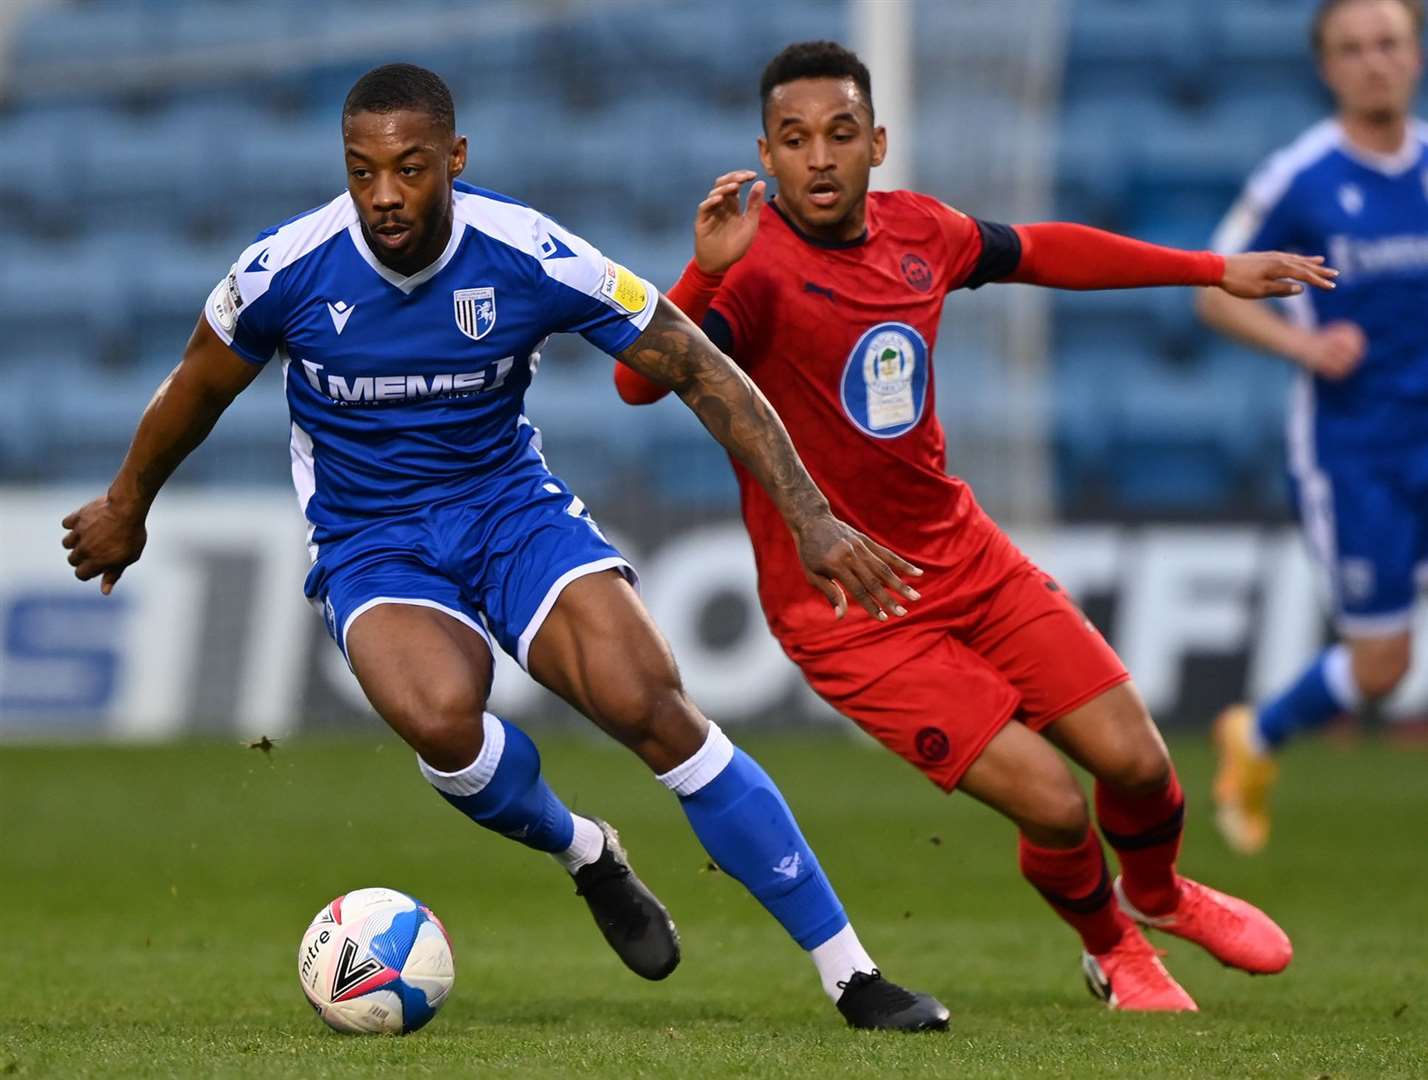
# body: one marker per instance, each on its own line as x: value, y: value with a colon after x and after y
x: 226, y: 301
x: 624, y: 288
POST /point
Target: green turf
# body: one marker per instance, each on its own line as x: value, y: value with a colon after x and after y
x: 152, y: 902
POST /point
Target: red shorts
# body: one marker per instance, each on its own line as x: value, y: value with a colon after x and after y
x: 1021, y: 650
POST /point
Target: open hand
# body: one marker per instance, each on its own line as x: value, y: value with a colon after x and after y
x: 722, y: 231
x: 1256, y: 275
x: 841, y: 562
x: 103, y: 540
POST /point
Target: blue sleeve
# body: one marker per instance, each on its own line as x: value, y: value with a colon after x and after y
x: 585, y: 293
x: 1264, y: 218
x: 245, y: 309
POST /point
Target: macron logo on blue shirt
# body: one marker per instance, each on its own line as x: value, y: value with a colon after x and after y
x: 552, y: 248
x: 260, y: 264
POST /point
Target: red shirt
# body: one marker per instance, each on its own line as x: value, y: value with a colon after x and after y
x: 840, y: 340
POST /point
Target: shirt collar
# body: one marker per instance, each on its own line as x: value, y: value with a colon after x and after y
x: 404, y: 283
x: 1395, y: 164
x: 828, y: 245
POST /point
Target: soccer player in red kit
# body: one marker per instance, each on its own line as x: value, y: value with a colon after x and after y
x: 830, y: 297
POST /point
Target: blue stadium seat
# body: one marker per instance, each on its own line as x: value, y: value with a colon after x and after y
x: 1262, y: 32
x: 131, y: 208
x: 65, y: 32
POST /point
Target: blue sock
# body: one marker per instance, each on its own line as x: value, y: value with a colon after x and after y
x: 504, y: 791
x: 1325, y: 689
x: 749, y: 832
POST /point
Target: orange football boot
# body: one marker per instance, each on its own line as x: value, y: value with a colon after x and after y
x: 1242, y: 782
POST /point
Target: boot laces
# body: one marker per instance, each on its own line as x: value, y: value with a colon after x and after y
x: 884, y: 994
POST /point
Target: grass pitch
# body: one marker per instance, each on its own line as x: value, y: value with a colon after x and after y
x: 153, y: 899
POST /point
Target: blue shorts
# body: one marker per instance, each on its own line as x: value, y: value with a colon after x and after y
x: 498, y: 567
x: 1366, y: 521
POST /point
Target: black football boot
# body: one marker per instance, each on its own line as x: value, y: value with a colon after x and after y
x: 634, y: 922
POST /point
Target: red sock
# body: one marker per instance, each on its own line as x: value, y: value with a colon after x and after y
x: 1145, y: 832
x: 1076, y: 885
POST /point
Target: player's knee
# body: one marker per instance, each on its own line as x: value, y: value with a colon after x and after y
x: 1378, y: 673
x: 1060, y: 817
x: 1133, y: 758
x: 1143, y: 770
x: 443, y: 724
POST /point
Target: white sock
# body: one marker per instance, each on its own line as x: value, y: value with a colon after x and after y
x: 711, y: 759
x: 837, y: 959
x: 585, y: 847
x: 471, y: 780
x: 1339, y: 677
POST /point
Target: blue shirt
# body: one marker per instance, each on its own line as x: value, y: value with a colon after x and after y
x: 1368, y: 214
x: 406, y: 391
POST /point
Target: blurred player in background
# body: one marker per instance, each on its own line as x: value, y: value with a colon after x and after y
x: 830, y: 298
x: 409, y: 313
x: 1354, y: 188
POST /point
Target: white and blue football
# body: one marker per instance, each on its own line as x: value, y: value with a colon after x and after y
x: 376, y: 961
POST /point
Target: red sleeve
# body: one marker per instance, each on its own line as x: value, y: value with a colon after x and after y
x: 1066, y: 256
x: 694, y: 291
x: 962, y: 242
x: 692, y: 294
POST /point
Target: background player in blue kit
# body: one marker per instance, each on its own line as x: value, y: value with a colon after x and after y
x: 1353, y: 188
x: 408, y: 314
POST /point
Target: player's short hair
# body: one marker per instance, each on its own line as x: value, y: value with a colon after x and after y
x: 1328, y: 7
x: 815, y: 60
x: 397, y: 87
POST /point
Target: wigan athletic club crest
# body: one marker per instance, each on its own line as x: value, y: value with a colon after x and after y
x: 475, y: 311
x: 885, y: 380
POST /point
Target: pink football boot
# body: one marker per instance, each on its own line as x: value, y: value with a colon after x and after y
x: 1234, y: 932
x: 1131, y: 977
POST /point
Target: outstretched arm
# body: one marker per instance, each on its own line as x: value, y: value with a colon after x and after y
x: 107, y: 535
x: 1067, y: 256
x: 673, y: 353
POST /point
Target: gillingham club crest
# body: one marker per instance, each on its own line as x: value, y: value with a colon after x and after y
x: 475, y: 311
x: 885, y: 380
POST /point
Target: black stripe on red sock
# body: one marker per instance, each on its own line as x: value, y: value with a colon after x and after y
x: 1093, y: 901
x: 1163, y: 833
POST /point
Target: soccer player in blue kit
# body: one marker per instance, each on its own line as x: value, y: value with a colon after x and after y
x: 408, y: 314
x: 1353, y: 188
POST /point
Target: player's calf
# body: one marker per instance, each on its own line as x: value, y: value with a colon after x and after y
x: 503, y: 790
x: 748, y: 830
x: 599, y: 649
x: 1139, y: 804
x: 1144, y: 828
x: 1077, y: 885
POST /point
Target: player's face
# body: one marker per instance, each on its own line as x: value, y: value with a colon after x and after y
x: 400, y: 166
x: 820, y: 144
x: 1371, y: 58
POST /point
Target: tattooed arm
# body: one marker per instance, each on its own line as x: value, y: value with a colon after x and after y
x: 837, y: 559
